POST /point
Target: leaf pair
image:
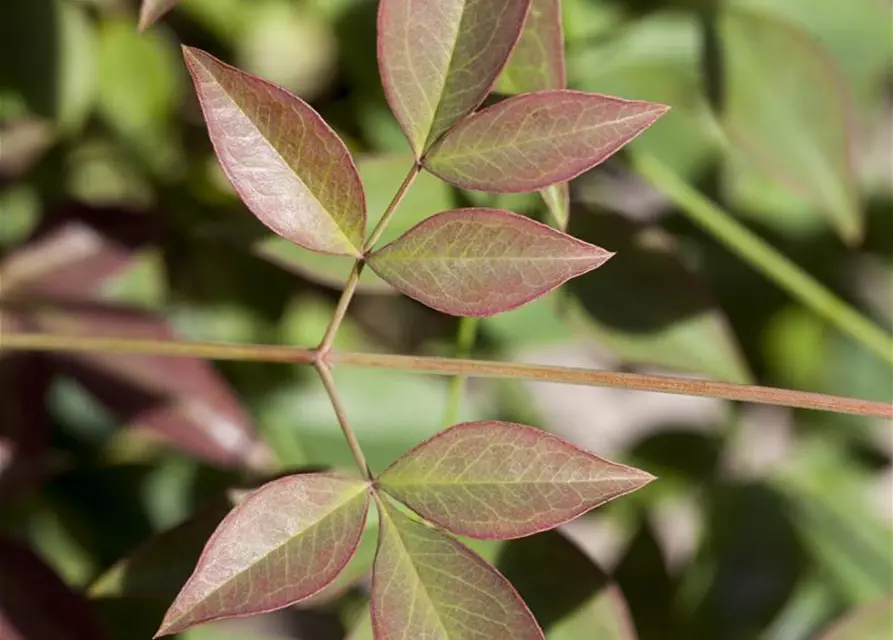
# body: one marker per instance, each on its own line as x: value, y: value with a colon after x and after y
x: 293, y: 536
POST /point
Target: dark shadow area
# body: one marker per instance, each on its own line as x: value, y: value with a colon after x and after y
x: 31, y: 25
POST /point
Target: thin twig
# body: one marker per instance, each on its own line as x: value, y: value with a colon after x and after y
x: 328, y: 382
x: 452, y: 367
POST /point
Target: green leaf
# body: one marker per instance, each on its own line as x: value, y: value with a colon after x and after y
x: 570, y: 596
x: 427, y: 585
x: 648, y: 304
x: 499, y: 480
x: 479, y: 262
x: 787, y: 110
x: 535, y: 140
x: 381, y: 176
x: 282, y: 544
x: 439, y: 60
x: 537, y: 62
x: 152, y: 10
x: 558, y: 202
x: 286, y: 163
x: 870, y: 622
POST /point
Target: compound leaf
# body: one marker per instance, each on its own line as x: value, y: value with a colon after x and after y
x: 426, y: 584
x: 282, y: 544
x: 288, y: 166
x: 499, y: 480
x: 788, y: 112
x: 535, y: 140
x: 440, y: 58
x: 479, y: 262
x: 152, y: 10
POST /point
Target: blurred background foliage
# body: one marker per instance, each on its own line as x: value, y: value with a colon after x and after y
x: 117, y: 220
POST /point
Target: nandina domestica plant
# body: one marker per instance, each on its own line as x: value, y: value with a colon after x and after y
x: 479, y: 89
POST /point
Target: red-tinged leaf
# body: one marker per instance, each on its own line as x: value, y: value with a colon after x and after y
x: 869, y: 622
x: 537, y: 62
x: 538, y: 139
x: 788, y: 112
x: 24, y: 423
x: 500, y: 480
x: 288, y: 166
x: 152, y: 10
x: 183, y: 401
x: 440, y: 58
x: 69, y: 261
x: 36, y: 605
x: 479, y: 262
x: 425, y: 584
x: 282, y: 544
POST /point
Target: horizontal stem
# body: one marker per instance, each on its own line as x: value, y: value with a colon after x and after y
x: 452, y: 367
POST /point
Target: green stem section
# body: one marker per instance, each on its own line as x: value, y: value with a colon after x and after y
x: 350, y: 287
x: 774, y: 265
x: 468, y: 329
x: 325, y: 374
x: 452, y: 367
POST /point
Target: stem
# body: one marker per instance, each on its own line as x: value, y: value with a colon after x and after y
x: 350, y: 287
x: 328, y: 382
x: 468, y: 328
x: 774, y: 265
x: 453, y: 366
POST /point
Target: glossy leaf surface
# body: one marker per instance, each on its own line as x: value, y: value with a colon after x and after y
x: 428, y: 585
x: 504, y: 480
x: 479, y: 262
x: 152, y: 10
x: 286, y: 163
x: 282, y: 544
x: 787, y: 110
x: 534, y: 140
x: 537, y: 61
x: 569, y: 594
x: 439, y: 59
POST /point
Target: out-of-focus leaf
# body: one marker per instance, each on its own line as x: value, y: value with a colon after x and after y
x: 69, y: 261
x: 478, y: 262
x: 648, y: 305
x: 282, y: 544
x: 24, y: 424
x: 655, y: 58
x: 537, y: 62
x: 427, y: 585
x: 35, y: 603
x: 158, y: 569
x: 362, y: 630
x: 569, y: 595
x: 535, y: 140
x: 381, y: 178
x: 503, y: 480
x: 24, y: 141
x: 310, y: 191
x: 439, y: 59
x: 139, y: 106
x: 846, y: 538
x: 56, y: 79
x: 870, y: 622
x: 558, y: 202
x: 185, y: 402
x: 152, y: 10
x: 787, y: 111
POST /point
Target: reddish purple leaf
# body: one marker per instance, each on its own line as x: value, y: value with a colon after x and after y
x: 479, y: 262
x: 499, y: 480
x: 537, y: 63
x: 282, y: 544
x: 36, y: 605
x: 152, y: 10
x: 538, y: 139
x: 184, y: 401
x: 440, y: 58
x: 288, y: 166
x: 425, y: 584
